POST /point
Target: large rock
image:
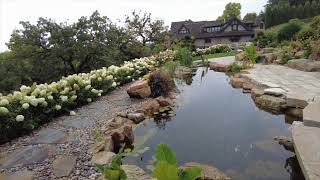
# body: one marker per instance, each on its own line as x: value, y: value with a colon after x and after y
x: 105, y: 145
x: 164, y: 101
x: 208, y: 172
x: 286, y: 142
x: 275, y: 91
x: 272, y: 103
x: 305, y: 65
x: 295, y: 112
x: 102, y: 157
x: 237, y: 82
x: 256, y: 92
x: 122, y: 136
x: 139, y: 89
x: 136, y: 117
x: 63, y: 165
x: 219, y: 67
x: 297, y: 100
x: 151, y: 106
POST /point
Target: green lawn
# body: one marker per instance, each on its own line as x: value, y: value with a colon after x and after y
x: 216, y: 55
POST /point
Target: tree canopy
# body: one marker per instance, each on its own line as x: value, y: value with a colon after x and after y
x: 232, y: 10
x: 250, y: 16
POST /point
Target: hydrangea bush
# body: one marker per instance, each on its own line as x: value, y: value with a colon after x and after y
x: 24, y: 110
x: 219, y: 48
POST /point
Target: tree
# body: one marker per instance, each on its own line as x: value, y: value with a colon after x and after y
x: 144, y: 28
x: 250, y: 17
x: 232, y: 10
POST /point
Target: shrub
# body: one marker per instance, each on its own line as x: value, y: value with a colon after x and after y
x: 266, y: 39
x: 315, y: 50
x: 219, y: 48
x: 161, y: 83
x: 170, y: 67
x: 288, y: 31
x: 286, y: 54
x: 236, y: 67
x: 305, y: 34
x: 183, y: 56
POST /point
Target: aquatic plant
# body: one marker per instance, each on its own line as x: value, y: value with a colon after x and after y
x: 167, y: 166
x: 114, y: 171
x: 183, y: 56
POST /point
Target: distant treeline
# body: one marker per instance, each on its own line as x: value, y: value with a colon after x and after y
x: 281, y: 11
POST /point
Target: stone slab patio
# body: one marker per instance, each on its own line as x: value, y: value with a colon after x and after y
x: 307, y: 148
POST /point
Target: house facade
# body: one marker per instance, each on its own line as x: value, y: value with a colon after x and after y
x: 208, y: 33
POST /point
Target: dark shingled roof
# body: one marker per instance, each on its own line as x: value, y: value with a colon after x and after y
x: 195, y: 28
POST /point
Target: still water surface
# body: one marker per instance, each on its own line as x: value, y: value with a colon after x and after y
x: 218, y: 125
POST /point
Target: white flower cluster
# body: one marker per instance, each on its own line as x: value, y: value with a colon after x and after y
x: 214, y: 49
x: 73, y: 90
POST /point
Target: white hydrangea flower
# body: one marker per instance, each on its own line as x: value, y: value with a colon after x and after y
x: 87, y: 87
x: 57, y: 107
x: 25, y: 105
x: 19, y: 118
x: 114, y: 84
x: 89, y: 100
x: 4, y: 102
x: 64, y: 98
x: 4, y: 111
x: 50, y: 97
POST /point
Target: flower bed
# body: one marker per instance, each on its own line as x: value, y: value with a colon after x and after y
x: 24, y: 110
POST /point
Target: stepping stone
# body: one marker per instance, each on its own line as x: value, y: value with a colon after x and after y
x: 307, y: 145
x: 79, y: 123
x: 63, y: 165
x: 297, y: 100
x: 275, y: 91
x: 49, y: 136
x: 19, y: 175
x: 25, y: 156
x: 311, y: 115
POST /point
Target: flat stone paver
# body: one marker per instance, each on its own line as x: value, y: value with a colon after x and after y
x: 295, y: 82
x: 223, y: 60
x: 311, y: 115
x: 307, y: 148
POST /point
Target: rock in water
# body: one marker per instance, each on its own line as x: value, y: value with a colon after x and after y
x: 139, y: 89
x: 151, y: 106
x: 102, y: 157
x: 136, y: 117
x: 208, y: 172
x: 286, y: 142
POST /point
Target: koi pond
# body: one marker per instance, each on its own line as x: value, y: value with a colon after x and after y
x: 218, y: 125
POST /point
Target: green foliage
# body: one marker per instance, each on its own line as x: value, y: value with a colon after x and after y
x: 266, y: 39
x: 315, y: 51
x: 215, y: 55
x: 251, y: 53
x: 305, y: 34
x: 236, y: 67
x: 167, y: 166
x: 232, y: 10
x: 289, y: 31
x: 170, y: 67
x: 250, y: 17
x: 183, y: 56
x: 114, y: 171
x: 98, y: 135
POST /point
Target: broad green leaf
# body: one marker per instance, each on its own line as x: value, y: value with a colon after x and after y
x: 116, y: 162
x: 191, y: 173
x: 123, y: 174
x: 100, y: 167
x: 164, y: 153
x: 112, y: 174
x: 165, y: 171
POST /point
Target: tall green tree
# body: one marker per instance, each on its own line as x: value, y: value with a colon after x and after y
x: 232, y: 10
x: 250, y: 17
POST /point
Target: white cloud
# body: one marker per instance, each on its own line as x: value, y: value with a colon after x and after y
x: 13, y: 11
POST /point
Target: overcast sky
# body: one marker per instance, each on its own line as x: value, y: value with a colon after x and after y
x: 13, y: 11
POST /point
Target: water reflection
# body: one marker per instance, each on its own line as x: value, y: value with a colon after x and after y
x: 220, y: 126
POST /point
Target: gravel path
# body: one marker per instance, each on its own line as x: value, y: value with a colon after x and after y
x: 59, y: 150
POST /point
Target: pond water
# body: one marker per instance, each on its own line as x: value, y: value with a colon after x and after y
x: 218, y: 125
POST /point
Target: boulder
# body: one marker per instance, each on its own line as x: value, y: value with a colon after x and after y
x: 304, y: 65
x: 275, y: 91
x: 256, y: 92
x: 247, y: 86
x: 275, y: 104
x: 122, y: 136
x: 208, y: 172
x: 219, y: 67
x: 183, y: 72
x: 295, y: 112
x: 164, y: 101
x: 139, y: 89
x: 63, y: 165
x: 136, y: 117
x: 151, y: 106
x: 103, y: 157
x: 237, y: 82
x: 106, y: 145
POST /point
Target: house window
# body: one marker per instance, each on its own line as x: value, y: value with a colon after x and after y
x: 207, y: 40
x: 183, y: 31
x: 261, y: 25
x: 212, y: 29
x: 234, y: 27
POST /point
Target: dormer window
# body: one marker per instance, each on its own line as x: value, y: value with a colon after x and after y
x: 183, y: 30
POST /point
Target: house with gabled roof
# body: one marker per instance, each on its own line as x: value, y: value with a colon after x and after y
x: 208, y: 33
